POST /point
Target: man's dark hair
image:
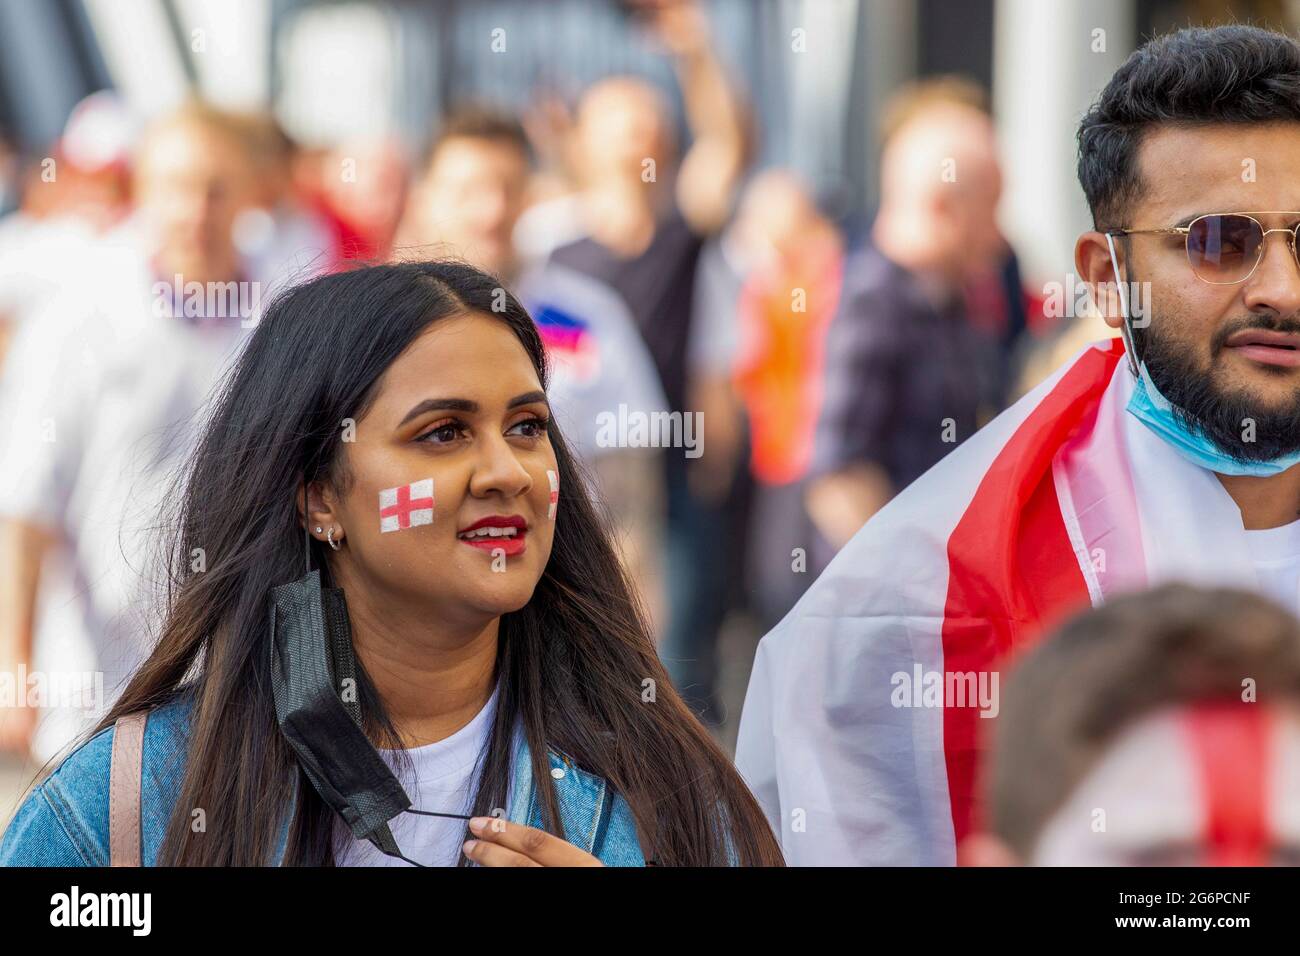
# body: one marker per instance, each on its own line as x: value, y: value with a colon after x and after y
x: 1069, y: 698
x: 1227, y: 74
x: 478, y: 122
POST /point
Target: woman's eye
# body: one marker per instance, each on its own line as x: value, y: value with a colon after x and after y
x: 442, y: 434
x: 531, y: 428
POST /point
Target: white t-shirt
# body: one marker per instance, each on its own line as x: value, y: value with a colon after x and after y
x: 1276, y: 554
x: 445, y: 780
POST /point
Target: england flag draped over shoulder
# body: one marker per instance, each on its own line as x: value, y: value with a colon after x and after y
x: 1061, y: 501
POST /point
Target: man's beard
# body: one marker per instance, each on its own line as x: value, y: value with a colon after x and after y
x: 1222, y: 414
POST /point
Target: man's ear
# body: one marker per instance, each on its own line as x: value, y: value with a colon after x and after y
x: 1092, y: 263
x: 985, y: 849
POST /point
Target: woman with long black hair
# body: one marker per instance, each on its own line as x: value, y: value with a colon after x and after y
x: 386, y: 565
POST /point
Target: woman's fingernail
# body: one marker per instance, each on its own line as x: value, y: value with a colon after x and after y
x: 469, y: 846
x: 478, y: 823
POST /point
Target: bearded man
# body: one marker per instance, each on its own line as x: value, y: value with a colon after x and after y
x: 1169, y: 453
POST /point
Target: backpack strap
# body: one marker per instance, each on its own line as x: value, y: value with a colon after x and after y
x: 124, y: 838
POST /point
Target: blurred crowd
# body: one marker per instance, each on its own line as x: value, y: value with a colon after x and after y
x: 795, y: 369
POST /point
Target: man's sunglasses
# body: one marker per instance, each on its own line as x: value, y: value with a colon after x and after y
x: 1223, y: 248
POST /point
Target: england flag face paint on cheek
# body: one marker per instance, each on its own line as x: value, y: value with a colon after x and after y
x: 406, y: 506
x: 554, y: 507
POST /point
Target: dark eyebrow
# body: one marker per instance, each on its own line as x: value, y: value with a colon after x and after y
x: 527, y: 399
x: 440, y: 404
x: 465, y: 405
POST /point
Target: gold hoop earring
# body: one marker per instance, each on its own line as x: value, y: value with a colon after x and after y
x: 330, y: 537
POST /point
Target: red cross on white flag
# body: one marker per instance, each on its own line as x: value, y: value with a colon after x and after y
x: 554, y: 479
x: 406, y: 506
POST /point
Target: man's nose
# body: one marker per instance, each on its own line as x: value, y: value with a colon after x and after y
x: 1275, y: 284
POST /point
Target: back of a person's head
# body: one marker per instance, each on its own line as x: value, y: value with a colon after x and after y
x: 1187, y: 681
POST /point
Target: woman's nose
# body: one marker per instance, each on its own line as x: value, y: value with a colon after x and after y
x: 498, y: 470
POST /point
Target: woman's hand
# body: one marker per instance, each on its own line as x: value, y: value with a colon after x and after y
x: 502, y: 843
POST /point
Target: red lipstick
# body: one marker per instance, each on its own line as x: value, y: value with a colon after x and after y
x: 504, y: 532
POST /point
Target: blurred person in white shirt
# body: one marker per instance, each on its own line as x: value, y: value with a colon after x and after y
x: 101, y: 398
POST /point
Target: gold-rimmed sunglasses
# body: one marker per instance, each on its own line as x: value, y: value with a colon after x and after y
x: 1224, y: 248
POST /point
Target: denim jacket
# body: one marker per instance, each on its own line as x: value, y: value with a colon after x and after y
x: 64, y: 820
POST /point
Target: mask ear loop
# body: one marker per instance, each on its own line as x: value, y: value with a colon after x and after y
x: 426, y: 813
x: 1124, y: 330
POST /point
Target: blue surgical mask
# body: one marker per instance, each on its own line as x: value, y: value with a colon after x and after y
x: 1157, y: 413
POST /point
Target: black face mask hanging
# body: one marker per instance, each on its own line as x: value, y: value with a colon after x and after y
x: 311, y: 659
